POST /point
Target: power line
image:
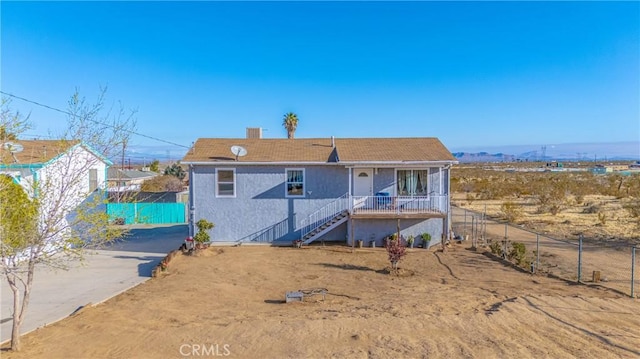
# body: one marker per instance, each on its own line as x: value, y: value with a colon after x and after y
x: 94, y: 121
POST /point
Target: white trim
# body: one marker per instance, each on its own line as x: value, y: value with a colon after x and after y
x: 304, y: 183
x: 218, y: 195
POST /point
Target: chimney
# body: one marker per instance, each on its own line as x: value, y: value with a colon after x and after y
x: 254, y: 132
x: 333, y: 142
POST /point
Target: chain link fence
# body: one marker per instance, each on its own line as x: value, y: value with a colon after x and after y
x: 592, y: 262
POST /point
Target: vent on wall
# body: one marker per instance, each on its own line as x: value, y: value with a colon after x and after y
x: 254, y: 132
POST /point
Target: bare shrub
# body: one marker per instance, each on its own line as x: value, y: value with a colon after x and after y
x: 470, y: 198
x: 591, y: 208
x: 511, y: 211
x: 633, y: 207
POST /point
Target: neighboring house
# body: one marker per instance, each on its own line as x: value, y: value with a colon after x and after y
x: 66, y: 173
x: 129, y: 180
x: 321, y: 188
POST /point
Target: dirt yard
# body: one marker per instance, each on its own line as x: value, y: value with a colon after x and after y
x: 599, y: 217
x: 459, y: 304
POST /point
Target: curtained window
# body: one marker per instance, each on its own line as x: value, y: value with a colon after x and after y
x: 413, y: 182
x: 294, y: 183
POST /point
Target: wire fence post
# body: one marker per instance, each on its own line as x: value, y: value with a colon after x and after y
x: 504, y: 253
x: 537, y: 251
x: 580, y: 259
x: 633, y: 270
x: 465, y: 224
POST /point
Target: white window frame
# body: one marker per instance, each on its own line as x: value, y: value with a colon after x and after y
x: 217, y: 183
x: 286, y: 182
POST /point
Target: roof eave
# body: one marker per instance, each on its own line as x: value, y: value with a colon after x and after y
x: 397, y: 163
x: 278, y: 163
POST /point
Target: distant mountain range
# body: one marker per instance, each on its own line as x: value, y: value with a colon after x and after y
x: 612, y: 151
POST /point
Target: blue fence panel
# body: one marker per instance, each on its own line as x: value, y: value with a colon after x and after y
x: 147, y: 213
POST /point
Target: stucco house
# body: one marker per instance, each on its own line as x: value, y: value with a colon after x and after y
x: 320, y: 188
x: 66, y: 173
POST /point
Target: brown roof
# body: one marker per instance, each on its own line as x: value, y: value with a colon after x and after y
x: 262, y: 150
x: 392, y: 149
x: 35, y: 151
x: 320, y: 150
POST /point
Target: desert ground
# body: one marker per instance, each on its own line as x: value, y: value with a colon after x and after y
x: 460, y: 303
x: 614, y: 223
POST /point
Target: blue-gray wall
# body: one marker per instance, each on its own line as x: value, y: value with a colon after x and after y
x: 260, y: 211
x: 370, y: 229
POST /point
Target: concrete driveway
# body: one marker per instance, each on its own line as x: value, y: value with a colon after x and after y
x: 104, y: 273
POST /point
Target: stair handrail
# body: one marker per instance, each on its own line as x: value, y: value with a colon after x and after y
x: 324, y: 215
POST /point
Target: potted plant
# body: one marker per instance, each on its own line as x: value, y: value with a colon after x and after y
x: 410, y: 240
x: 426, y: 238
x: 202, y: 238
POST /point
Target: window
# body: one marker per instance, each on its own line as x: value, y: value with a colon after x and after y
x: 294, y: 185
x: 413, y: 182
x: 93, y: 179
x: 225, y: 182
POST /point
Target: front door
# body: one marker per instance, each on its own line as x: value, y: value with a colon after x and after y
x: 363, y: 182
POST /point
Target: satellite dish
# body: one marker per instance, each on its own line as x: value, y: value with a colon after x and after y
x: 13, y: 147
x: 239, y: 151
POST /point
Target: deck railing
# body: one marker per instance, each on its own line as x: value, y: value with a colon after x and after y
x: 324, y: 215
x: 399, y: 204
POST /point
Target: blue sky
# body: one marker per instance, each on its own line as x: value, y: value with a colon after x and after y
x: 471, y: 73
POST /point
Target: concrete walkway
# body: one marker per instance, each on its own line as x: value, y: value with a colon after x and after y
x: 104, y: 273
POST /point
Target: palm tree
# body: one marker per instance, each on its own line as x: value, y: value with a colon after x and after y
x: 290, y: 123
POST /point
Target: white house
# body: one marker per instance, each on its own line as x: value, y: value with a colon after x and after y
x: 61, y: 174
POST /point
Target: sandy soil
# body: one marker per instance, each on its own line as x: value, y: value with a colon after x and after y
x: 458, y: 304
x: 614, y: 224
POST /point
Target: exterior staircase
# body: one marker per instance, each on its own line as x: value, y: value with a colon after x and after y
x: 326, y: 227
x: 325, y: 219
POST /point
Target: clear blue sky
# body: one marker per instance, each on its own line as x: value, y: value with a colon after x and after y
x: 472, y: 74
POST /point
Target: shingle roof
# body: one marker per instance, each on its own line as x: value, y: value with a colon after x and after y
x: 320, y: 150
x: 392, y: 149
x: 35, y: 151
x: 262, y: 150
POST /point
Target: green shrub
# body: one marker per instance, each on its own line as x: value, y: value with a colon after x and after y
x: 518, y: 254
x: 203, y: 226
x: 496, y: 248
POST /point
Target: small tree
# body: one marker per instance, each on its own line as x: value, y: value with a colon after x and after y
x: 154, y: 166
x: 396, y: 250
x: 203, y: 227
x: 69, y: 217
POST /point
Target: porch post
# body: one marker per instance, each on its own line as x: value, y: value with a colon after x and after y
x: 353, y: 241
x: 398, y: 230
x: 350, y: 176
